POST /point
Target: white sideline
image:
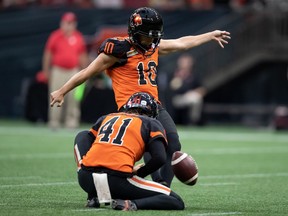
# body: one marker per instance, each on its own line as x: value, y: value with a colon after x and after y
x: 89, y: 209
x: 242, y: 150
x: 218, y: 184
x: 19, y: 177
x: 39, y: 184
x: 238, y: 136
x: 264, y: 136
x: 211, y: 151
x: 252, y: 175
x: 35, y: 156
x: 216, y: 213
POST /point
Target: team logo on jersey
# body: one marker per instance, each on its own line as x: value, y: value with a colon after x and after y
x: 137, y: 20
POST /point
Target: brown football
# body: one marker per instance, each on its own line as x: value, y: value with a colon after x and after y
x: 184, y: 168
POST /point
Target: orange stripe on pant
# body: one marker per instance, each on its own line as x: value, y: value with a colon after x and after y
x: 149, y: 185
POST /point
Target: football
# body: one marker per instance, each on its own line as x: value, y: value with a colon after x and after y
x: 184, y: 168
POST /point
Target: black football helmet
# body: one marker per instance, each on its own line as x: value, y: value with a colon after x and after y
x: 147, y: 22
x: 144, y: 103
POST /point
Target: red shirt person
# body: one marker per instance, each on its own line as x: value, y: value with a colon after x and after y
x: 65, y: 53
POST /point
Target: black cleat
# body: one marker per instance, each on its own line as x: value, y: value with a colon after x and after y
x: 124, y: 205
x: 93, y: 203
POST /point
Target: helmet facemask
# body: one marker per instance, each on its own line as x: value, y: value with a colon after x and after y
x: 148, y: 23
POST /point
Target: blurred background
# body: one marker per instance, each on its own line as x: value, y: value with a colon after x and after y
x: 246, y: 83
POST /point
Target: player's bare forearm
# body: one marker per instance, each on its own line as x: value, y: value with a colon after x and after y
x: 101, y: 63
x: 74, y: 81
x: 188, y: 42
x: 57, y: 97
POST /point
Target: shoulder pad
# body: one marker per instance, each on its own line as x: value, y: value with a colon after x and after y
x: 117, y: 47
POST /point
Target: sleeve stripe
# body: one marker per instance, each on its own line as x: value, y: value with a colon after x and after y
x: 157, y: 133
x: 94, y: 132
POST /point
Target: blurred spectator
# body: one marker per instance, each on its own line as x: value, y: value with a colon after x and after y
x: 56, y: 2
x: 135, y: 4
x: 187, y: 92
x: 15, y: 3
x: 64, y: 54
x: 201, y: 4
x: 280, y: 118
x: 167, y: 4
x: 84, y: 3
x: 108, y: 3
x: 36, y: 103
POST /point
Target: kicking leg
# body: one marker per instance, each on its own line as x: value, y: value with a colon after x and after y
x: 166, y: 171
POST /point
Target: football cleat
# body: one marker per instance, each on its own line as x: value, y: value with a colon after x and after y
x: 124, y: 205
x: 93, y: 203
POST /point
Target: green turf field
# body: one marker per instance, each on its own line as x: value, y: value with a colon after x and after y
x: 242, y: 171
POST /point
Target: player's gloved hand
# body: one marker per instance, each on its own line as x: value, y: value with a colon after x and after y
x: 137, y: 167
x: 163, y: 183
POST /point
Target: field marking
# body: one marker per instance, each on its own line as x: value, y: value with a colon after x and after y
x: 263, y: 136
x: 255, y: 175
x: 36, y: 156
x: 90, y: 209
x: 242, y: 150
x: 252, y: 175
x: 211, y: 151
x: 19, y: 177
x: 39, y: 184
x: 218, y: 184
x: 216, y: 213
x: 39, y: 131
x: 220, y: 136
x: 69, y: 183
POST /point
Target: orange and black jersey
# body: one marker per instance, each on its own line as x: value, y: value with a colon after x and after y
x: 121, y: 140
x: 133, y: 73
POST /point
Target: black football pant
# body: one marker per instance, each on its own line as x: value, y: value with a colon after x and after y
x: 146, y: 194
x: 165, y: 173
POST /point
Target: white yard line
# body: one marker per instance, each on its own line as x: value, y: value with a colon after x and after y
x: 35, y: 156
x: 210, y: 151
x: 252, y: 175
x: 39, y: 184
x: 38, y: 131
x: 242, y: 150
x: 19, y: 177
x: 220, y: 136
x: 217, y: 184
x: 216, y: 213
x: 90, y: 209
x: 261, y: 136
x: 255, y: 175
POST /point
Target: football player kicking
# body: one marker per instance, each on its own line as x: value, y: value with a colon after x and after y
x: 106, y: 156
x: 131, y: 64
